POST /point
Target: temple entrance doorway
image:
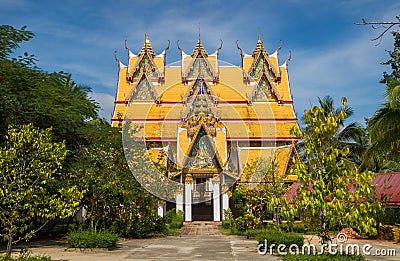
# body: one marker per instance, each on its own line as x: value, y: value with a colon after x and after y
x: 202, y: 207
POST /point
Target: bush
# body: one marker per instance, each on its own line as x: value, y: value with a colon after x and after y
x: 138, y: 227
x: 174, y: 219
x: 89, y: 239
x: 325, y: 257
x: 301, y: 229
x: 274, y: 236
x: 229, y: 221
x: 169, y: 215
x: 177, y: 220
x: 254, y: 232
x: 246, y: 222
x: 226, y: 224
x: 388, y: 215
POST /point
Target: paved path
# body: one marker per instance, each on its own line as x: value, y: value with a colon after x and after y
x: 198, y: 241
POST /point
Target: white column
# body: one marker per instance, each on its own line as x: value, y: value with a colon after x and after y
x: 188, y: 199
x: 160, y: 211
x: 216, y: 202
x: 179, y: 202
x: 225, y: 203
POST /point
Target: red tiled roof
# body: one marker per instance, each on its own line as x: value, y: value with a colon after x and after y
x: 387, y: 187
x: 292, y: 191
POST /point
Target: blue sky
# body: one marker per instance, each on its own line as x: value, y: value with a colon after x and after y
x: 330, y: 55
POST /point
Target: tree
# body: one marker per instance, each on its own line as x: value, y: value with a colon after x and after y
x: 114, y: 196
x: 351, y: 135
x: 384, y: 125
x: 32, y: 95
x: 376, y: 25
x: 10, y: 38
x: 29, y: 161
x: 332, y: 195
x: 261, y: 190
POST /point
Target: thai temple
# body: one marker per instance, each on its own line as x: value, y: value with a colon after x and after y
x: 207, y: 121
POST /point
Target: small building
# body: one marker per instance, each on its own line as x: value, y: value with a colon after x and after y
x: 205, y: 120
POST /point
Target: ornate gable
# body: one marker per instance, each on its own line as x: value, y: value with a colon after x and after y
x: 202, y: 153
x: 144, y: 90
x: 200, y: 99
x: 199, y: 66
x: 145, y: 62
x: 263, y: 90
x: 261, y: 63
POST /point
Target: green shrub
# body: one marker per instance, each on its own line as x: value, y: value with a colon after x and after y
x: 301, y: 229
x: 388, y: 215
x: 274, y: 236
x: 89, y: 239
x: 177, y: 220
x: 255, y: 233
x: 246, y: 222
x: 138, y: 227
x: 325, y: 257
x: 169, y: 215
x: 226, y: 224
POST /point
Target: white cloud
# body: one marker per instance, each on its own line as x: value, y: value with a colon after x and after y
x: 106, y: 102
x: 351, y: 68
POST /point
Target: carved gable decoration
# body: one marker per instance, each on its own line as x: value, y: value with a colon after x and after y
x: 145, y: 62
x: 202, y: 154
x: 199, y: 100
x: 264, y: 90
x: 146, y: 65
x: 144, y: 90
x: 199, y: 66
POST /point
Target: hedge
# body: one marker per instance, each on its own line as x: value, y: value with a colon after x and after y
x: 89, y: 239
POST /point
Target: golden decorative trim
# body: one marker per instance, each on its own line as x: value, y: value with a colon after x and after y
x: 188, y: 179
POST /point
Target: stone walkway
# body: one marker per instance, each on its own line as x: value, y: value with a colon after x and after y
x: 197, y: 241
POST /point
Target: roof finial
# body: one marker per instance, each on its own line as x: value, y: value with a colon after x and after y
x: 198, y: 39
x: 220, y: 46
x: 167, y: 46
x: 285, y: 65
x: 258, y: 34
x: 120, y: 64
x: 147, y: 45
x: 240, y: 49
x: 126, y: 46
x: 180, y: 49
x: 115, y: 56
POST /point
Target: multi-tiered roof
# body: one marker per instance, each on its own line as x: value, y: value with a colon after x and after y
x: 246, y: 111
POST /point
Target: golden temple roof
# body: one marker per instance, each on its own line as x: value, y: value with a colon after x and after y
x: 161, y: 99
x: 147, y: 46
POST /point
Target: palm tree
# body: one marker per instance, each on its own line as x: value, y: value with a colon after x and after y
x: 384, y: 128
x: 353, y: 135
